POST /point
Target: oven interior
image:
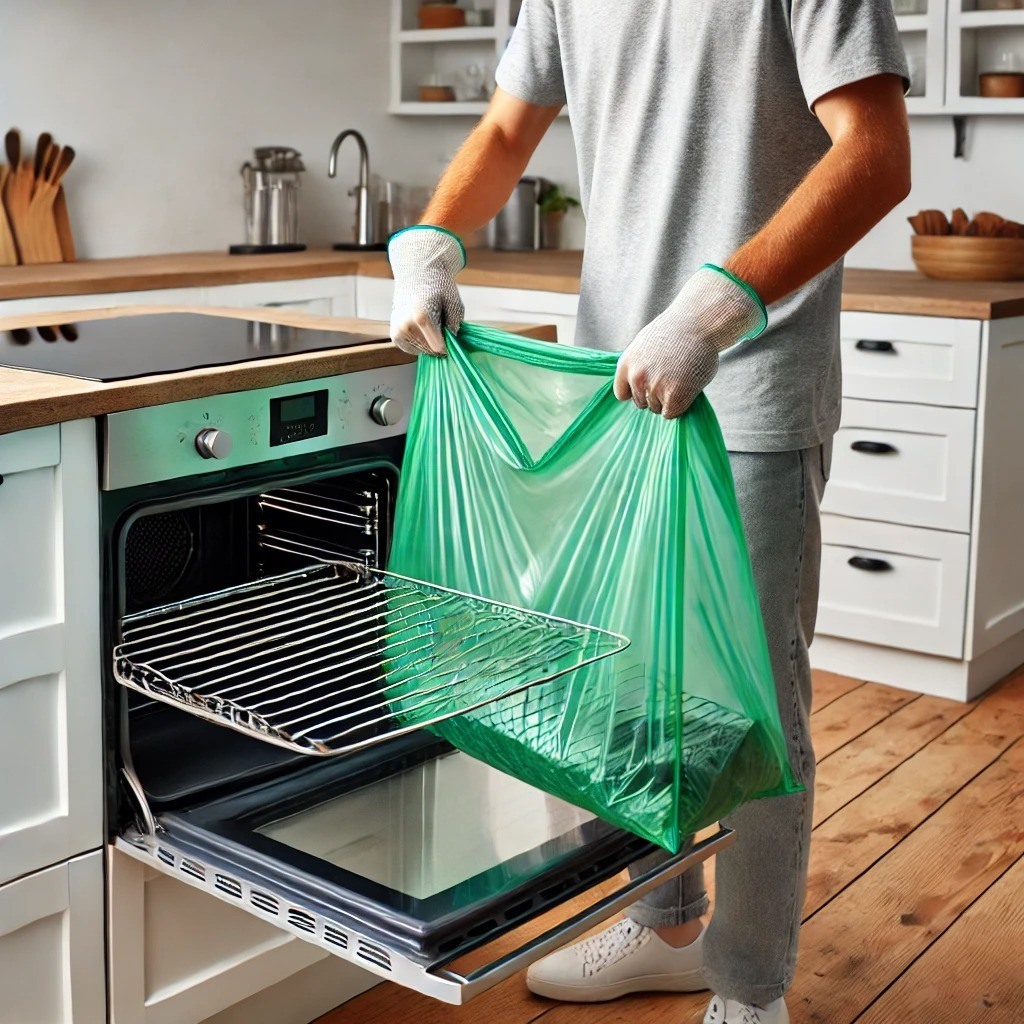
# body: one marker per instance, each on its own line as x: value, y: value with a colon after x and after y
x: 169, y: 551
x: 416, y: 846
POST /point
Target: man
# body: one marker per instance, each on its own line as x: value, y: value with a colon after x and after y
x: 730, y: 152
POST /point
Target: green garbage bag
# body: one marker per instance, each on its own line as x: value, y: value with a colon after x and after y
x: 525, y: 481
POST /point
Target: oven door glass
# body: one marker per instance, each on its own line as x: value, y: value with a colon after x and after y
x: 401, y: 857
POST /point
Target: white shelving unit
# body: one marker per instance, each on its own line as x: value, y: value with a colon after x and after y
x: 977, y: 39
x: 417, y: 54
x: 923, y: 38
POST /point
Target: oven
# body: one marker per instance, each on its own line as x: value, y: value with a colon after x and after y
x: 377, y: 842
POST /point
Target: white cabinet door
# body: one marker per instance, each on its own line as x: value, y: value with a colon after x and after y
x: 373, y: 297
x: 522, y: 306
x: 924, y: 359
x: 59, y: 303
x: 896, y: 586
x: 179, y: 956
x: 51, y: 945
x: 327, y: 296
x: 509, y: 305
x: 903, y: 463
x: 50, y: 727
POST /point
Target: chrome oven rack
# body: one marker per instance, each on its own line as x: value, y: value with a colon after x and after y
x: 334, y: 658
x: 328, y: 521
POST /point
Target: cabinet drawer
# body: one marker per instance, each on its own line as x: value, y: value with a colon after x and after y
x: 28, y: 540
x: 898, y: 586
x: 901, y: 463
x: 927, y: 360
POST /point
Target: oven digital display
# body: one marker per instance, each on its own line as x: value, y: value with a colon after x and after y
x: 298, y: 417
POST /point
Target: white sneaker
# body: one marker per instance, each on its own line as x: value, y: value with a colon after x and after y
x: 728, y: 1011
x: 627, y: 957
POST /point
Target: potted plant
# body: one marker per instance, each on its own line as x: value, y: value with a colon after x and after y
x: 554, y: 204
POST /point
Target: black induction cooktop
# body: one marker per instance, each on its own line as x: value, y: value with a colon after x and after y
x: 137, y: 346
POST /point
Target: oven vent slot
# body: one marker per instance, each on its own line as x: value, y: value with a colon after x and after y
x: 335, y: 936
x: 190, y: 867
x: 261, y: 901
x: 373, y: 954
x: 229, y: 885
x: 301, y: 920
x: 165, y: 855
x: 336, y: 658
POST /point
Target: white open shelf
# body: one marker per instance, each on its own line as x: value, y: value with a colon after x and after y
x: 418, y: 55
x: 912, y: 22
x: 992, y: 19
x: 448, y: 35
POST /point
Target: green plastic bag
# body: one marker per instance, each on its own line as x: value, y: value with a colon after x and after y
x: 527, y: 482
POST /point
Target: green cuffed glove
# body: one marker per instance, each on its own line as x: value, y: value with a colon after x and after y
x: 675, y: 357
x: 424, y: 261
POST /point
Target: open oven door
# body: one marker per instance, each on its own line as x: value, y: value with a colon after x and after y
x: 402, y: 858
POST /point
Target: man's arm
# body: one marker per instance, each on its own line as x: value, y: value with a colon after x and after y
x: 488, y: 164
x: 861, y: 178
x: 477, y: 183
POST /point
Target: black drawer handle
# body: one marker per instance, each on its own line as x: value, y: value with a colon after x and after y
x: 870, y: 564
x: 873, y: 447
x: 869, y: 345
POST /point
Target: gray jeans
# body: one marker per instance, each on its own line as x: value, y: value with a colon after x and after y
x: 760, y: 881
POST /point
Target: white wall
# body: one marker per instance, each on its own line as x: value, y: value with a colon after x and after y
x: 164, y: 99
x: 990, y: 178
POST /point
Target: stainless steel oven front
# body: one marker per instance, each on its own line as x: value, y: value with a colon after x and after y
x: 401, y: 856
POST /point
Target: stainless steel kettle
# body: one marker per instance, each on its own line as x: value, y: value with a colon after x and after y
x: 517, y: 227
x: 270, y: 199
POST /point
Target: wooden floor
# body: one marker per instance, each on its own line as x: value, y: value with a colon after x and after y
x: 915, y: 901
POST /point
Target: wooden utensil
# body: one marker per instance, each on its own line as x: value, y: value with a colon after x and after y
x: 42, y: 149
x: 42, y: 228
x: 8, y: 247
x: 17, y: 198
x: 63, y: 225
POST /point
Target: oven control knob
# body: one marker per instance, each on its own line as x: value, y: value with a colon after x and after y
x: 386, y: 411
x: 212, y: 443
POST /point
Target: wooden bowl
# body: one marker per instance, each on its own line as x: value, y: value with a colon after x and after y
x: 967, y: 258
x: 441, y: 15
x: 1002, y: 85
x: 436, y: 94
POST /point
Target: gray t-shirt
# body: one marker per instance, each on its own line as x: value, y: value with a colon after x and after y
x: 692, y: 124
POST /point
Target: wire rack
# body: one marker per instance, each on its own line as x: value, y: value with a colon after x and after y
x: 330, y: 659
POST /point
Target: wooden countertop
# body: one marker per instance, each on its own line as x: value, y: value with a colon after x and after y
x: 876, y: 291
x: 32, y: 399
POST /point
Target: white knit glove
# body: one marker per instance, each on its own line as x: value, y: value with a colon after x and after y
x: 674, y: 358
x: 424, y: 261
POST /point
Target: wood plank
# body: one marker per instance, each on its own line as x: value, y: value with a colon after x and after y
x: 872, y: 931
x: 828, y: 686
x: 854, y: 838
x: 852, y: 769
x: 849, y: 716
x: 907, y: 291
x: 878, y: 291
x: 972, y: 972
x: 172, y: 270
x: 30, y: 399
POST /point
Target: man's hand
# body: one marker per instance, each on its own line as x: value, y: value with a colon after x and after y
x: 674, y: 358
x: 424, y: 261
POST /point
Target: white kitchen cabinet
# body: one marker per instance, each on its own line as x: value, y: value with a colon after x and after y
x: 177, y: 956
x: 940, y: 610
x: 326, y: 296
x: 102, y: 300
x: 51, y: 945
x: 50, y: 742
x: 509, y: 305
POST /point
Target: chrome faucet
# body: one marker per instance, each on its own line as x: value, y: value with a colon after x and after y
x: 362, y: 190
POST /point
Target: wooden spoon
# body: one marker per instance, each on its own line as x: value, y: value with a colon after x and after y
x: 8, y: 247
